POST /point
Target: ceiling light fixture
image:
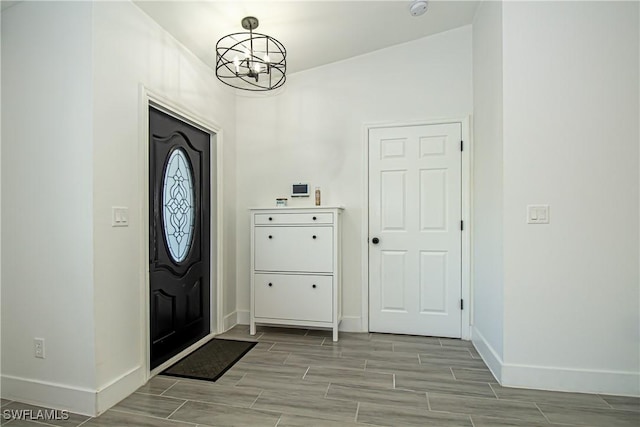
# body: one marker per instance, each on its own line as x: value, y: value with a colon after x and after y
x: 418, y: 7
x: 251, y: 61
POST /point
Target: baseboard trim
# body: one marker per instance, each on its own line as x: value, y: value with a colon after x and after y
x: 553, y: 378
x: 119, y: 388
x: 243, y: 317
x: 487, y: 353
x: 230, y: 320
x: 573, y: 380
x: 50, y: 395
x: 351, y: 324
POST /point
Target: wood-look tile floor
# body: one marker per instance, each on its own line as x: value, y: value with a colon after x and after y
x: 297, y: 377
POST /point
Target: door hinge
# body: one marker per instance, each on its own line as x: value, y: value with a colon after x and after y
x: 461, y: 304
x: 461, y: 145
x: 461, y: 225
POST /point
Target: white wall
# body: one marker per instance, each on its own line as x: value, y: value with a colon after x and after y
x: 571, y: 139
x: 156, y: 60
x: 313, y: 131
x: 47, y: 197
x: 488, y: 266
x: 71, y: 93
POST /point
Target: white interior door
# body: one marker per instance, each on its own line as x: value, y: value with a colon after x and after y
x: 415, y: 214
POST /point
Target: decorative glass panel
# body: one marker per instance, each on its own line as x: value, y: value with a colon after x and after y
x: 178, y: 205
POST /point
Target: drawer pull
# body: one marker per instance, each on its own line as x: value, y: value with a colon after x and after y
x: 270, y: 219
x: 314, y: 218
x: 270, y: 236
x: 314, y: 236
x: 313, y: 286
x: 271, y: 284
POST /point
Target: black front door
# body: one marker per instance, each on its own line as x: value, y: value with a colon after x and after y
x: 179, y: 235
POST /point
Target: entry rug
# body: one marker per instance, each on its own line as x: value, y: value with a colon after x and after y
x: 210, y: 361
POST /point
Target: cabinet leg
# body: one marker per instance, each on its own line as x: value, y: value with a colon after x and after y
x: 335, y: 334
x: 252, y: 328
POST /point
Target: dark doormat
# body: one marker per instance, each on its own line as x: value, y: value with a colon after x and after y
x: 210, y: 361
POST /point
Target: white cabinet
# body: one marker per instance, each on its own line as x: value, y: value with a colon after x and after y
x: 295, y: 267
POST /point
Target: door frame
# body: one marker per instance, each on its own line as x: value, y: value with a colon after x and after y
x: 151, y: 98
x: 467, y: 170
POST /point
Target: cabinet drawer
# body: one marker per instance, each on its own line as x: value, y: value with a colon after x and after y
x: 294, y: 218
x: 293, y: 297
x: 296, y: 249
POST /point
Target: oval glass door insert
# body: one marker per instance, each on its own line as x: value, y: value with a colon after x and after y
x: 178, y: 205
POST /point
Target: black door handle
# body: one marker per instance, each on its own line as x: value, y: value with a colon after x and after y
x: 314, y: 237
x: 270, y: 284
x: 314, y: 286
x: 270, y: 236
x: 375, y: 240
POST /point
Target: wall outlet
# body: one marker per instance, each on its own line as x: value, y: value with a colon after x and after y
x: 38, y: 348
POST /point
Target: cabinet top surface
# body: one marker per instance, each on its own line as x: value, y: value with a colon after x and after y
x: 297, y: 208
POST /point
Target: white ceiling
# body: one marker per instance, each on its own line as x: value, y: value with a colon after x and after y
x: 313, y: 32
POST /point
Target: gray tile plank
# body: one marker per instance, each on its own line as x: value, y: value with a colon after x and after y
x: 378, y: 396
x: 157, y: 385
x: 623, y: 402
x: 375, y: 336
x: 149, y: 404
x: 417, y: 370
x: 361, y: 345
x: 296, y: 404
x: 391, y: 356
x: 122, y: 419
x: 486, y: 407
x: 290, y: 338
x: 277, y: 383
x: 214, y: 393
x: 223, y: 415
x: 432, y: 348
x: 327, y: 360
x: 550, y: 397
x: 596, y: 417
x: 288, y: 420
x: 455, y: 342
x: 384, y: 415
x: 441, y: 386
x: 470, y: 374
x: 349, y: 377
x: 264, y: 356
x: 73, y: 420
x: 24, y: 423
x: 324, y: 333
x: 452, y: 361
x: 230, y: 378
x: 504, y: 422
x: 305, y: 349
x: 288, y: 371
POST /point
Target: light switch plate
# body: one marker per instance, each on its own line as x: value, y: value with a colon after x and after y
x: 119, y: 217
x: 537, y: 214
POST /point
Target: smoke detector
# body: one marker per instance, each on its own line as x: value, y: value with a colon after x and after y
x: 418, y: 7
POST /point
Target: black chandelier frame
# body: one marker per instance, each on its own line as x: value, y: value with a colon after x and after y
x: 241, y: 73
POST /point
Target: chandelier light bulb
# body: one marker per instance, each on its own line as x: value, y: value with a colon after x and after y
x: 236, y: 62
x: 266, y: 59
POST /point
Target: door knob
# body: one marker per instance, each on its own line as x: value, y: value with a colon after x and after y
x: 375, y: 240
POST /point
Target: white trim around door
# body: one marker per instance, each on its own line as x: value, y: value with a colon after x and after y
x: 152, y: 98
x: 467, y: 156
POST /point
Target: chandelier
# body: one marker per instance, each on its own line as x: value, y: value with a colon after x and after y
x: 251, y: 61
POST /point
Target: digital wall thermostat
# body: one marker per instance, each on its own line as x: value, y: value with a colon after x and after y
x: 300, y: 190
